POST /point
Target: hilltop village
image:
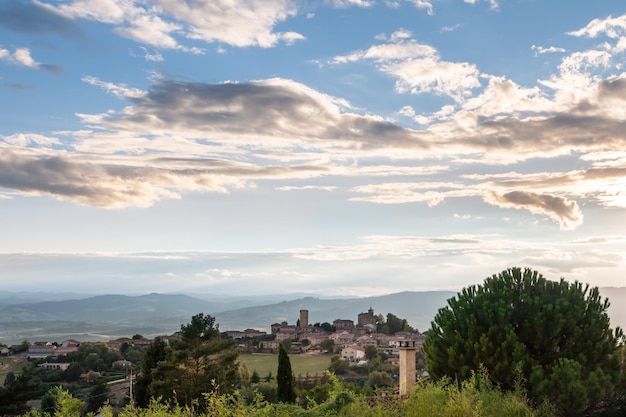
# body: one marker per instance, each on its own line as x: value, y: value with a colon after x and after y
x: 343, y: 336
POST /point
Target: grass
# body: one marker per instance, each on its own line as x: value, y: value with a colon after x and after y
x: 300, y: 364
x: 10, y: 364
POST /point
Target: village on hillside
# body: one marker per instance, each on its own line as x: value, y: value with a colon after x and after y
x: 343, y: 336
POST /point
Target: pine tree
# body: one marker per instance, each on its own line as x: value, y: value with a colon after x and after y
x: 553, y: 334
x: 284, y: 377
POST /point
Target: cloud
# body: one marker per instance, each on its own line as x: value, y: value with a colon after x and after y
x: 291, y: 37
x: 275, y: 109
x: 450, y: 28
x: 565, y: 212
x: 539, y: 50
x: 168, y: 24
x: 418, y: 68
x: 432, y: 193
x: 151, y: 56
x: 22, y: 57
x: 342, y: 4
x: 462, y: 259
x: 306, y: 188
x: 423, y: 4
x: 611, y: 27
x: 493, y: 3
x: 117, y: 90
x: 179, y: 137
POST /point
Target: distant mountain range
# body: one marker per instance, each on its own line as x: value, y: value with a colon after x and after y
x: 235, y: 313
x: 109, y: 316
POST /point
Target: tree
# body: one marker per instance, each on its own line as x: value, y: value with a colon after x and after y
x: 72, y: 372
x: 244, y: 375
x: 328, y: 345
x: 555, y: 335
x: 58, y: 402
x: 199, y: 363
x: 48, y: 401
x: 154, y: 354
x: 10, y: 378
x: 255, y: 378
x: 284, y: 377
x: 98, y: 397
x: 379, y: 379
x: 14, y: 397
x: 326, y: 326
x: 371, y: 352
x: 392, y: 325
x: 338, y: 365
x: 286, y: 344
x: 395, y: 324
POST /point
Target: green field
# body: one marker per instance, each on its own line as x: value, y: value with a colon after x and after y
x: 300, y: 364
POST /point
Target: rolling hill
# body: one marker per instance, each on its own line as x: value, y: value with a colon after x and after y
x: 109, y: 316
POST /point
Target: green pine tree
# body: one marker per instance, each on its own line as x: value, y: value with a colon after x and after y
x: 555, y: 335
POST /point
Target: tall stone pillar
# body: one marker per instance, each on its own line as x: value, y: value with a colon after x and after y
x: 304, y: 318
x: 407, y: 366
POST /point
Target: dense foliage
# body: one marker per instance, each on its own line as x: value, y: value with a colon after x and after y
x: 199, y: 363
x: 476, y: 397
x: 554, y: 335
x: 392, y: 324
x: 16, y: 392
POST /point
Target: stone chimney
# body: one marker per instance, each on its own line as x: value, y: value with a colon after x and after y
x: 407, y: 366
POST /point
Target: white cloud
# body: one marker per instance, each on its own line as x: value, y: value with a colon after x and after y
x: 166, y: 23
x: 117, y: 90
x: 30, y: 140
x: 151, y: 30
x: 22, y: 57
x: 423, y: 4
x: 291, y: 37
x: 539, y: 50
x: 306, y: 188
x: 418, y: 68
x: 611, y: 27
x: 450, y: 28
x: 493, y: 3
x: 341, y: 4
x: 151, y: 56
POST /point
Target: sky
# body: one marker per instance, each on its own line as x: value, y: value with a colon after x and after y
x: 338, y: 147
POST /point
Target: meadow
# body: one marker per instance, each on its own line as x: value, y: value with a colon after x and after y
x: 313, y: 364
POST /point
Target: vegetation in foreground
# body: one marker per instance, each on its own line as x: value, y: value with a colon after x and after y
x: 475, y: 397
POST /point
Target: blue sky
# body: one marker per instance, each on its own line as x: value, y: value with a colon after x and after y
x: 345, y: 147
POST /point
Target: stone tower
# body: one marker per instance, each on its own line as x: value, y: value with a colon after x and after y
x: 407, y: 366
x: 304, y: 318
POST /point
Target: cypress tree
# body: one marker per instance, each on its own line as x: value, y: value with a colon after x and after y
x: 284, y: 377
